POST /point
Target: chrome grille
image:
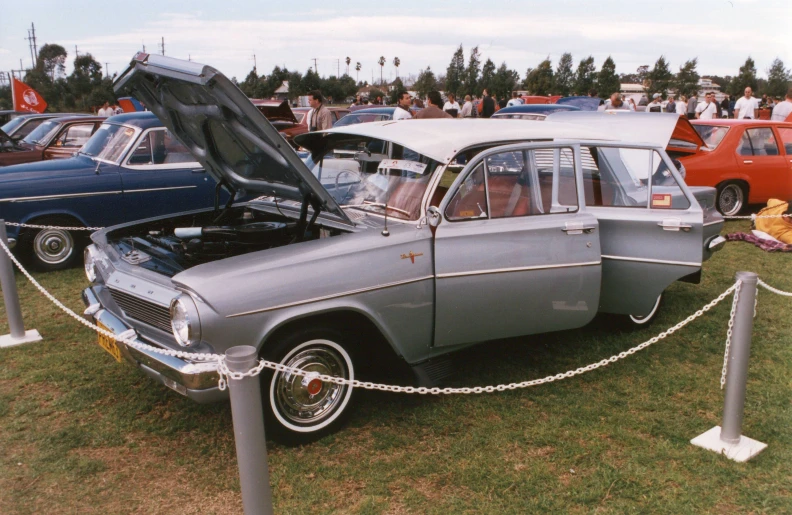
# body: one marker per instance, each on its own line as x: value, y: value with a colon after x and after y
x: 142, y: 310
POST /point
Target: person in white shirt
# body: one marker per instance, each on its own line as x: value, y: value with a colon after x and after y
x: 656, y: 105
x: 747, y: 106
x: 451, y: 104
x: 708, y: 109
x: 782, y: 110
x: 402, y: 111
x: 681, y: 106
x: 615, y: 103
x: 105, y: 110
x: 467, y: 109
x: 515, y: 100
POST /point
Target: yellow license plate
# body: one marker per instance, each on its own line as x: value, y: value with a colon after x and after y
x: 109, y: 344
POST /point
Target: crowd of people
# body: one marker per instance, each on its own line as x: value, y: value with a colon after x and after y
x: 708, y: 108
x: 746, y: 107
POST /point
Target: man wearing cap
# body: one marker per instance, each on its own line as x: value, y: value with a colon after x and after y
x: 655, y: 106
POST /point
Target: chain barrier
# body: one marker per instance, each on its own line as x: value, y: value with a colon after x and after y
x: 127, y: 338
x: 754, y: 217
x: 31, y: 226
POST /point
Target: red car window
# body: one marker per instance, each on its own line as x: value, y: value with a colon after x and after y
x: 786, y: 139
x: 758, y: 142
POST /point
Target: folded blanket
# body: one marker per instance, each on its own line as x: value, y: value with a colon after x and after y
x: 764, y: 244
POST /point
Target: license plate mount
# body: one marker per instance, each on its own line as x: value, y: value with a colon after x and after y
x: 108, y: 343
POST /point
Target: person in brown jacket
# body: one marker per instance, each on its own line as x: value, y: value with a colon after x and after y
x: 320, y: 116
x: 433, y: 109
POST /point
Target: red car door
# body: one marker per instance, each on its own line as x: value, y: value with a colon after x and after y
x: 785, y: 137
x: 760, y: 158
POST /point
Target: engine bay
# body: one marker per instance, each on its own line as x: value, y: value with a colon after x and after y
x: 175, y: 244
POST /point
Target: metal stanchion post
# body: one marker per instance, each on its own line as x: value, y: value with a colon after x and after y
x: 728, y: 439
x: 251, y: 444
x: 18, y: 334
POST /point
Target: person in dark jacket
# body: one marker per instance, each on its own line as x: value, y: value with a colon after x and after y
x: 488, y: 105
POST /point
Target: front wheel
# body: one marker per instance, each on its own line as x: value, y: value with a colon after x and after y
x: 301, y: 409
x: 53, y: 249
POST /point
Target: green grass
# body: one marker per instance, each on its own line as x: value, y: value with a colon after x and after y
x: 81, y: 434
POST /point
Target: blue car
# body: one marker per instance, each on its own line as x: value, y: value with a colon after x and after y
x: 371, y: 114
x: 131, y: 168
x: 532, y: 111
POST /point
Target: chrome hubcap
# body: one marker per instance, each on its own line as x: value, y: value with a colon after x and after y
x: 730, y: 200
x: 306, y: 400
x: 53, y: 246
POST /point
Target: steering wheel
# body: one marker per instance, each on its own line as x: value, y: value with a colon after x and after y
x: 350, y: 172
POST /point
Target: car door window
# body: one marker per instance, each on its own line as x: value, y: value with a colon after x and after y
x: 75, y: 136
x: 622, y: 177
x: 159, y: 147
x: 786, y: 140
x: 758, y: 142
x: 518, y: 183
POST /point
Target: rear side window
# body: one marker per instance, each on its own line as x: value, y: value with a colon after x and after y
x: 758, y: 142
x: 631, y: 178
x: 786, y: 140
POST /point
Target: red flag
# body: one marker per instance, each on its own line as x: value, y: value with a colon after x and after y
x: 26, y: 98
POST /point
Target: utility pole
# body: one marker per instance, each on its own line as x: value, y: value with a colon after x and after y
x: 163, y: 45
x: 338, y: 67
x: 255, y: 68
x: 76, y: 53
x: 316, y: 70
x: 32, y: 44
x: 107, y: 70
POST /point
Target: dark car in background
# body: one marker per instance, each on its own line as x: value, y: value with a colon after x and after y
x: 131, y: 168
x: 56, y: 138
x: 292, y: 121
x: 19, y: 127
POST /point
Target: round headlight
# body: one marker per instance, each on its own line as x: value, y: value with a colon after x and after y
x: 185, y: 324
x: 90, y: 263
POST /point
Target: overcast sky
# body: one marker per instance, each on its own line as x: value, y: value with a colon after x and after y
x: 226, y: 34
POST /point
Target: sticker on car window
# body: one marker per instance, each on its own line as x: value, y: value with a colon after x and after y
x: 401, y: 164
x: 661, y: 200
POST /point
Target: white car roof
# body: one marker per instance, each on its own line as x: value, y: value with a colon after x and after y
x: 442, y: 139
x: 652, y: 128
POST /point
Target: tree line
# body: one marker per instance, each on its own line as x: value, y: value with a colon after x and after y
x: 86, y: 87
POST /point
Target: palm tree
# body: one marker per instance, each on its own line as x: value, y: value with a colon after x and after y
x: 381, y: 63
x: 348, y: 60
x: 396, y: 63
x: 357, y: 69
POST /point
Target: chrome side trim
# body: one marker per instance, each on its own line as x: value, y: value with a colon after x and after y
x: 516, y: 269
x: 713, y: 223
x: 647, y: 260
x: 334, y: 296
x: 160, y: 189
x: 65, y: 195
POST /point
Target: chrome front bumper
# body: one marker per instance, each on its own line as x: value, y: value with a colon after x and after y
x: 196, y: 380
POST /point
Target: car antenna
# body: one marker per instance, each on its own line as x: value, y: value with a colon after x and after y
x: 385, y: 231
x: 98, y: 164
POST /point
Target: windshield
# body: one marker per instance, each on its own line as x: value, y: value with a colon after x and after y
x: 108, y: 142
x: 42, y: 133
x: 711, y: 134
x: 9, y: 127
x: 370, y: 174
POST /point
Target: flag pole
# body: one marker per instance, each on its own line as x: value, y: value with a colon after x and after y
x: 13, y: 96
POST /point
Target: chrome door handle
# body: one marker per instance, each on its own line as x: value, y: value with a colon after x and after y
x: 674, y: 224
x: 747, y: 161
x: 577, y: 228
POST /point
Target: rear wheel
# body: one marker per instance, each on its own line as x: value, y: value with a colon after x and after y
x: 732, y: 197
x: 53, y: 249
x: 300, y: 409
x: 641, y: 320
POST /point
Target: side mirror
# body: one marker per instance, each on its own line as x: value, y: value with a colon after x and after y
x: 433, y: 216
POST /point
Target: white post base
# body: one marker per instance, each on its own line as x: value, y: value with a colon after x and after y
x: 30, y: 336
x: 741, y: 451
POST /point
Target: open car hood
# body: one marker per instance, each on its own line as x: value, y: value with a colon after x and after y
x: 666, y: 130
x: 277, y: 112
x: 225, y: 132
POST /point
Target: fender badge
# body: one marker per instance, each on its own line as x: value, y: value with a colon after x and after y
x: 411, y: 256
